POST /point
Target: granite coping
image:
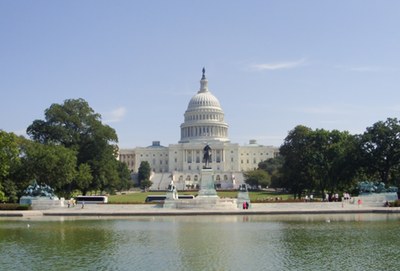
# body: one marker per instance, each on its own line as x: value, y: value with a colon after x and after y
x: 156, y: 210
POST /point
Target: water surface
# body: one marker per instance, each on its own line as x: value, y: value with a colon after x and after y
x: 298, y: 242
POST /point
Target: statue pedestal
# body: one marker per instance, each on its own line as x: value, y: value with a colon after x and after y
x: 207, y: 185
x: 171, y: 195
x: 42, y: 203
x: 207, y: 198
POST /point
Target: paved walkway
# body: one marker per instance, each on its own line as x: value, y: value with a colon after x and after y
x: 154, y: 210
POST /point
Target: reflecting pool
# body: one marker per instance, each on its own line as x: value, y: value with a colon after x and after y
x: 295, y: 242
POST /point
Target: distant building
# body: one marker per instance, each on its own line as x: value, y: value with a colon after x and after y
x: 203, y: 124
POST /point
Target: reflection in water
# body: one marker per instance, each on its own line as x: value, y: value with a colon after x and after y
x: 351, y: 245
x: 51, y: 245
x: 347, y: 242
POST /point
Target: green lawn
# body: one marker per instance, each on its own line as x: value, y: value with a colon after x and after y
x: 140, y: 197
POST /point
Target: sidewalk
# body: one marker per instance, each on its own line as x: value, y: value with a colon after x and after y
x: 154, y: 210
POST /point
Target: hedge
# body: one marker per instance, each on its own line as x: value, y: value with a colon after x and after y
x: 14, y: 207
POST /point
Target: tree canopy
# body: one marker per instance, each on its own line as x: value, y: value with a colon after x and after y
x: 317, y: 160
x: 256, y: 178
x: 144, y: 171
x: 9, y: 161
x: 8, y: 153
x: 379, y: 149
x: 71, y: 149
x: 75, y: 126
x: 54, y: 165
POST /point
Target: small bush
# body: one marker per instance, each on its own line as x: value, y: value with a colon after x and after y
x: 395, y: 203
x: 14, y: 207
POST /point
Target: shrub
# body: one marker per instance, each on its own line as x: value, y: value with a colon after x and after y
x: 14, y: 207
x: 395, y: 203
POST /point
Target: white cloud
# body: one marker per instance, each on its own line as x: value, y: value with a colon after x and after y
x: 360, y: 68
x: 279, y: 65
x: 115, y: 115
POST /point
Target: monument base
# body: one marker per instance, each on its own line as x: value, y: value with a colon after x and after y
x: 42, y: 203
x: 171, y: 195
x: 207, y: 197
x: 207, y: 185
x: 206, y: 203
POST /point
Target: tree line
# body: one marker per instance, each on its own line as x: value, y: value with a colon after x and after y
x: 322, y: 161
x: 71, y: 150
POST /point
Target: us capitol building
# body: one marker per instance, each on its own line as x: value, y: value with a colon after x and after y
x: 203, y: 124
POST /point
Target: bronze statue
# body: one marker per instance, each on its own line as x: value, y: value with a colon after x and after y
x: 207, y: 156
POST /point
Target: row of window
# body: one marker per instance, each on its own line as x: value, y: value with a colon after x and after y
x: 197, y: 152
x: 189, y: 160
x: 131, y: 163
x: 130, y: 156
x: 205, y: 117
x: 166, y: 155
x: 203, y: 131
x: 196, y: 178
x: 161, y: 170
x: 161, y: 162
x: 254, y: 161
x: 254, y: 154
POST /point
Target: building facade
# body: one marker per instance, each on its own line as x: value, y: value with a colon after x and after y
x: 204, y: 123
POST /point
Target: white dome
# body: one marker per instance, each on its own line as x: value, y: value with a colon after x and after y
x: 203, y: 99
x: 204, y: 117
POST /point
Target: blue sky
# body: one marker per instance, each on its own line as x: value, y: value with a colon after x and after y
x: 272, y: 64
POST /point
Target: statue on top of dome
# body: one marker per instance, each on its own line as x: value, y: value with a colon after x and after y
x: 204, y: 73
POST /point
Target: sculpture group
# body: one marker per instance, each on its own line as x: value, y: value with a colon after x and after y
x: 37, y: 190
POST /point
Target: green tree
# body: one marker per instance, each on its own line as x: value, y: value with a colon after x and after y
x: 256, y: 178
x: 273, y: 167
x: 318, y: 161
x: 76, y: 126
x: 331, y: 160
x: 53, y: 165
x: 11, y: 191
x: 9, y: 163
x: 145, y: 184
x: 9, y: 153
x: 296, y: 169
x: 125, y: 178
x: 83, y: 178
x: 380, y: 150
x: 144, y: 171
x: 3, y: 197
